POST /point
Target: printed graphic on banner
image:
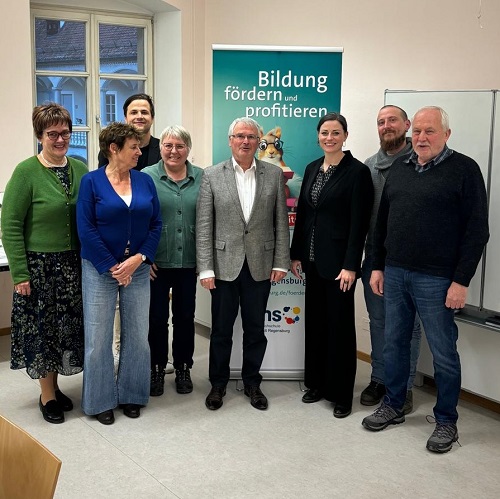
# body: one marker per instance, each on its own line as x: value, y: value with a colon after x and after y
x: 286, y: 92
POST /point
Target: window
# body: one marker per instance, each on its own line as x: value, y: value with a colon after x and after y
x: 68, y: 101
x: 90, y: 64
x: 110, y: 104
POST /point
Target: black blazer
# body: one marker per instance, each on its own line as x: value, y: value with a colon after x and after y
x: 341, y: 218
x: 152, y: 158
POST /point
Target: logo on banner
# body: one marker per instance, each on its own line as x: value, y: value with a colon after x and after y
x: 280, y: 320
x: 291, y: 314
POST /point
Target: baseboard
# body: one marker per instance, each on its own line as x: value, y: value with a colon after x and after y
x: 472, y: 398
x: 464, y: 395
x: 4, y: 331
x: 365, y: 357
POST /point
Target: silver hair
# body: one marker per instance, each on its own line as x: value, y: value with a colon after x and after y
x: 246, y: 121
x: 178, y: 132
x: 445, y: 120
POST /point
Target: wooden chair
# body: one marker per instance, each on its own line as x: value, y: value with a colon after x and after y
x: 27, y: 468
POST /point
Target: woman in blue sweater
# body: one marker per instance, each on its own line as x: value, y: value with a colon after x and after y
x: 119, y: 225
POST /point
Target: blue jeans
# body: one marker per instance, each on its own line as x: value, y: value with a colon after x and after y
x: 407, y: 292
x: 101, y: 391
x: 376, y: 314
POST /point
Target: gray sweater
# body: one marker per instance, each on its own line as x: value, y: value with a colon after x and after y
x: 379, y: 165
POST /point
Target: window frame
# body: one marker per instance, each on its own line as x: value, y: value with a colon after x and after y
x: 91, y: 74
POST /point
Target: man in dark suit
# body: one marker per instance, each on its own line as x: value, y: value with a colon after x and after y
x: 242, y: 246
x: 139, y: 111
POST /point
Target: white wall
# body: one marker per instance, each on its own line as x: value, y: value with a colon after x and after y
x: 15, y: 89
x: 15, y: 102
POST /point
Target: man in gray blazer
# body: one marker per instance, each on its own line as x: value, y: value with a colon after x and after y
x: 242, y: 246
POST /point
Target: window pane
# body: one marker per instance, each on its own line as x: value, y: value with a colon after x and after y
x: 121, y: 90
x: 59, y: 45
x: 78, y: 146
x: 121, y: 49
x: 69, y: 91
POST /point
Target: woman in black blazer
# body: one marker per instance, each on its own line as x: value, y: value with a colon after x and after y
x: 333, y: 215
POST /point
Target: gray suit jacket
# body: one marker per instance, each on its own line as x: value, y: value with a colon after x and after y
x: 224, y: 239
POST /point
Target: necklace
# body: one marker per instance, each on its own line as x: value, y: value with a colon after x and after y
x: 52, y: 165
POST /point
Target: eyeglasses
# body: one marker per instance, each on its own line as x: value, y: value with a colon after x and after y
x: 55, y: 135
x: 241, y: 137
x: 178, y: 147
x: 278, y: 144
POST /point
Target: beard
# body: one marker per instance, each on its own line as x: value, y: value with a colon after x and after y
x: 392, y: 143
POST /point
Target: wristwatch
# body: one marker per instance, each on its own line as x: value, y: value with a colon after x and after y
x: 143, y: 257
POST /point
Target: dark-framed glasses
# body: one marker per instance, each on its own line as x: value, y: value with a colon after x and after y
x: 178, y: 147
x: 278, y: 144
x: 53, y: 135
x: 241, y: 137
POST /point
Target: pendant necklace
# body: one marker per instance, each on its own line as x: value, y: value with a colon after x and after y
x: 52, y: 165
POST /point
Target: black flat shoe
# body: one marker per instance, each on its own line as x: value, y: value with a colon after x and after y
x: 64, y: 401
x: 131, y: 410
x: 342, y: 411
x: 52, y: 411
x: 106, y: 417
x: 312, y: 395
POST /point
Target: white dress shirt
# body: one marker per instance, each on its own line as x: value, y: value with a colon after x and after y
x: 245, y: 184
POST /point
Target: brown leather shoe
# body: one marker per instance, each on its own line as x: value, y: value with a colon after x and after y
x: 214, y: 398
x: 257, y: 398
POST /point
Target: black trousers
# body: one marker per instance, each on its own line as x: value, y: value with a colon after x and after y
x: 330, y: 338
x: 227, y: 298
x: 182, y: 282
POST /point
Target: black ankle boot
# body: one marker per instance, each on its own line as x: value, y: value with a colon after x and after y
x: 157, y: 381
x: 183, y: 383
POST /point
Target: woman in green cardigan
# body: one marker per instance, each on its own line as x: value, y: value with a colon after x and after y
x: 41, y: 243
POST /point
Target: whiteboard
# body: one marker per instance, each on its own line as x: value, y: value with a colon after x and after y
x: 491, y: 299
x: 471, y: 115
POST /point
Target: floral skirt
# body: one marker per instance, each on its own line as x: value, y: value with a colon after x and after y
x: 47, y: 325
